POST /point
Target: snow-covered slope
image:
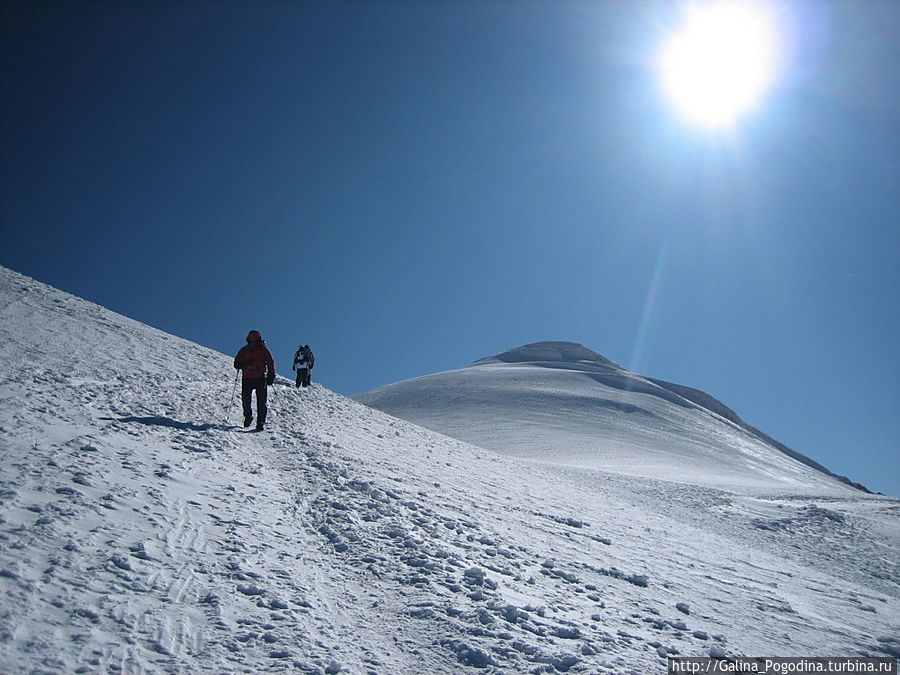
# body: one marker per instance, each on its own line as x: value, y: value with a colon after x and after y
x: 560, y: 402
x: 142, y: 531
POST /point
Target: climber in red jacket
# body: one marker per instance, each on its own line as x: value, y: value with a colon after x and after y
x: 257, y: 367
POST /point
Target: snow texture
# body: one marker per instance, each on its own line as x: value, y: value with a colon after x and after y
x: 142, y: 530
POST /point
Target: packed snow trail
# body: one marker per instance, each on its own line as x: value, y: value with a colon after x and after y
x: 141, y: 531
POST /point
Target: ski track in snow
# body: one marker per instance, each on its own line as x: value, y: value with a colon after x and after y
x: 141, y: 530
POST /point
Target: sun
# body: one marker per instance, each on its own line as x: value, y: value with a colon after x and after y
x: 722, y: 59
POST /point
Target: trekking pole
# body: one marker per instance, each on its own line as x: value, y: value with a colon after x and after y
x: 230, y: 405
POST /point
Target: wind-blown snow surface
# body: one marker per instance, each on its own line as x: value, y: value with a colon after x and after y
x: 560, y: 402
x: 139, y: 532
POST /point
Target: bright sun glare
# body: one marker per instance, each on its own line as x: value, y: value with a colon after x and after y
x: 721, y: 60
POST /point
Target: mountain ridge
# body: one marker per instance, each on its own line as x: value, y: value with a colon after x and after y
x: 554, y: 351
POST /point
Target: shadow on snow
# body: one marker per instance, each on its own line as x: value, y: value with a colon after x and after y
x: 161, y: 421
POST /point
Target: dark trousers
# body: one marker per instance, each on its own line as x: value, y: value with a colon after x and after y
x: 248, y: 386
x: 303, y: 377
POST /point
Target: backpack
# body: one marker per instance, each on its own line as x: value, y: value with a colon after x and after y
x: 304, y: 358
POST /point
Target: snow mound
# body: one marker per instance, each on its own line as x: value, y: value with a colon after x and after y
x: 563, y: 403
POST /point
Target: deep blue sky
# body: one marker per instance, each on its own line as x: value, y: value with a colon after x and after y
x: 410, y: 186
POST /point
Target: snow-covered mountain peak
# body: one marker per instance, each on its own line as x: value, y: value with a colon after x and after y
x: 563, y: 403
